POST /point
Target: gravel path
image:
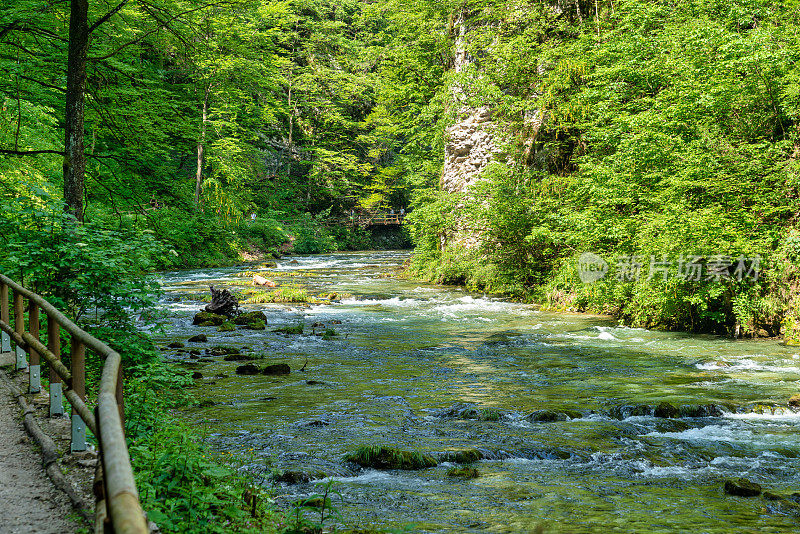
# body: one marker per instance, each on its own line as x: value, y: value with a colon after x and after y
x: 28, y: 501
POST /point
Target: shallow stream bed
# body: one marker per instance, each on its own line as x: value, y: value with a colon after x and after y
x: 433, y: 369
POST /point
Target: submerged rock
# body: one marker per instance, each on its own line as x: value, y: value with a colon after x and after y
x: 466, y: 473
x: 666, y: 410
x: 292, y: 477
x: 465, y: 456
x: 742, y: 487
x: 463, y: 410
x: 700, y: 410
x: 202, y: 338
x: 380, y: 457
x: 250, y: 317
x: 546, y: 416
x: 176, y: 345
x: 221, y: 351
x: 276, y: 370
x: 247, y: 370
x: 631, y: 410
x: 208, y: 319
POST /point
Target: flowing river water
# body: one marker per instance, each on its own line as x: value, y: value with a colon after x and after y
x: 430, y: 368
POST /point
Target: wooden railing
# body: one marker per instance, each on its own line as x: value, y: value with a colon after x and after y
x: 375, y: 220
x: 117, y: 507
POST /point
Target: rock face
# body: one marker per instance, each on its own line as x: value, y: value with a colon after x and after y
x: 470, y: 148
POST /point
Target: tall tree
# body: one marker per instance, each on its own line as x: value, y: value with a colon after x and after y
x: 74, y: 157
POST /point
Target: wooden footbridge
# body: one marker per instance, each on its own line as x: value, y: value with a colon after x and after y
x: 117, y: 506
x: 367, y: 221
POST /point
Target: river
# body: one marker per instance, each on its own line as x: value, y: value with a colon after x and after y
x: 411, y: 359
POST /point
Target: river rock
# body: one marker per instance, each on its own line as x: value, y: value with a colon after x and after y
x: 380, y: 457
x: 276, y: 370
x: 742, y: 487
x: 194, y: 352
x: 794, y: 401
x: 464, y: 410
x: 700, y: 410
x: 250, y: 317
x: 631, y: 410
x: 546, y: 416
x: 227, y: 327
x: 197, y: 376
x: 204, y: 318
x: 202, y: 338
x: 666, y: 410
x: 261, y: 281
x: 221, y: 351
x: 176, y: 345
x: 465, y: 456
x: 466, y: 473
x: 292, y: 477
x: 257, y: 325
x: 247, y: 370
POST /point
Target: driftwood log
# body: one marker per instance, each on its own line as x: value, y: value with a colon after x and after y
x: 222, y: 303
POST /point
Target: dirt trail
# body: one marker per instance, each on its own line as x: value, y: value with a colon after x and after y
x: 29, y: 503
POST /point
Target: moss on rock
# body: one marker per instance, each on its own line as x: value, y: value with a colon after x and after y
x: 380, y: 457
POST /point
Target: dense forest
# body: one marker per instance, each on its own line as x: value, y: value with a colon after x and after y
x: 519, y: 135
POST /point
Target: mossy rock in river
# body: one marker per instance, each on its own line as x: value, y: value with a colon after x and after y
x: 293, y: 330
x: 250, y: 317
x: 276, y: 370
x: 666, y: 410
x: 465, y: 456
x: 257, y: 325
x: 742, y: 487
x: 247, y: 370
x: 204, y: 318
x: 227, y: 327
x: 202, y: 338
x: 546, y: 416
x: 467, y: 473
x: 379, y: 457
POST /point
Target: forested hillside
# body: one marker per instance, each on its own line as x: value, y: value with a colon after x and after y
x: 653, y: 130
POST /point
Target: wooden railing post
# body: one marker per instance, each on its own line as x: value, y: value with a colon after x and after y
x: 54, y: 344
x: 5, y: 339
x: 34, y: 370
x: 19, y: 328
x: 78, y: 369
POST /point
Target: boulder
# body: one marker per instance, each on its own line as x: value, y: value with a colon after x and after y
x: 250, y: 317
x: 700, y: 410
x: 202, y: 338
x: 261, y: 281
x: 176, y: 345
x: 794, y: 401
x: 742, y: 487
x: 257, y: 325
x: 247, y: 370
x: 466, y: 456
x: 380, y: 457
x: 276, y: 370
x: 630, y: 410
x: 546, y: 416
x: 204, y: 318
x: 666, y: 410
x: 227, y: 327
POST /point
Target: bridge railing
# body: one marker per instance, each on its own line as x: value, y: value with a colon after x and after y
x: 117, y: 506
x: 376, y: 220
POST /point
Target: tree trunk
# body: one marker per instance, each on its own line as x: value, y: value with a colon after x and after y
x: 74, y: 157
x: 201, y: 151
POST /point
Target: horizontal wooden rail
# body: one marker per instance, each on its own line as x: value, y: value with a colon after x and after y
x: 117, y: 507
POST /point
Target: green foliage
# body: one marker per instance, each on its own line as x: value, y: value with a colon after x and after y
x: 293, y: 330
